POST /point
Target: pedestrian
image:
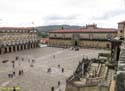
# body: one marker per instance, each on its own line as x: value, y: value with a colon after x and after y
x: 52, y: 88
x: 58, y: 83
x: 53, y: 56
x: 13, y: 65
x: 33, y: 61
x: 58, y: 65
x: 14, y: 89
x: 62, y: 70
x: 14, y: 73
x: 49, y: 70
x: 19, y: 72
x: 17, y: 57
x: 9, y: 75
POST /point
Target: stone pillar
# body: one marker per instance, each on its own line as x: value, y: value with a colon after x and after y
x: 2, y: 50
x: 22, y: 47
x: 15, y: 47
x: 30, y: 45
x: 8, y: 49
x: 11, y: 48
x: 26, y: 46
x: 34, y: 45
x: 19, y: 47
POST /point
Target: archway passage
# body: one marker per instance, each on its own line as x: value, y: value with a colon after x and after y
x: 76, y: 43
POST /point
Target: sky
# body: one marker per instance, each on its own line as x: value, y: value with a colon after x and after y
x: 27, y: 13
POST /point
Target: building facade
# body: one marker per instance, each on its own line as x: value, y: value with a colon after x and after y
x: 17, y: 38
x: 91, y: 36
x: 121, y: 29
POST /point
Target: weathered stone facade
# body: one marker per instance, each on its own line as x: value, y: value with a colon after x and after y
x: 17, y: 38
x: 121, y: 29
x: 91, y: 36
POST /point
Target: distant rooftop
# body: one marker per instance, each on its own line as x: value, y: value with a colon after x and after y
x: 88, y: 28
x: 122, y: 22
x: 16, y: 28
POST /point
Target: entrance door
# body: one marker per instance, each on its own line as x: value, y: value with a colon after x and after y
x: 76, y: 43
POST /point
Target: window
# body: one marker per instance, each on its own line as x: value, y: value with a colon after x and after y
x: 54, y: 35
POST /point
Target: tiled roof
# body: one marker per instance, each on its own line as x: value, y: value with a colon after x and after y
x: 16, y: 28
x: 122, y: 22
x: 86, y: 30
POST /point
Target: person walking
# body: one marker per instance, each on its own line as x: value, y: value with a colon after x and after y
x: 14, y: 89
x: 19, y: 72
x: 9, y: 75
x: 14, y: 73
x: 58, y: 83
x: 62, y: 70
x: 58, y: 65
x: 52, y: 88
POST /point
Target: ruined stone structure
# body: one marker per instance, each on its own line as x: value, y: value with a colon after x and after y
x: 89, y: 37
x: 90, y: 75
x: 17, y: 38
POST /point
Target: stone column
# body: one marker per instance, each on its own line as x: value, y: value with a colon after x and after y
x: 2, y: 50
x: 11, y: 48
x: 26, y: 46
x: 7, y: 49
x: 22, y: 47
x: 34, y: 45
x: 30, y: 45
x: 19, y: 47
x: 15, y: 47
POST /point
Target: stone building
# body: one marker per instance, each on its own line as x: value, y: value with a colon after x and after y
x: 121, y: 29
x: 91, y: 36
x: 17, y: 38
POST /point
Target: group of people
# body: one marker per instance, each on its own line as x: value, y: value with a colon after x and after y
x: 49, y: 70
x: 53, y: 88
x: 13, y: 74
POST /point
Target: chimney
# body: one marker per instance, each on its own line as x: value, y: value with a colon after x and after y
x: 92, y: 26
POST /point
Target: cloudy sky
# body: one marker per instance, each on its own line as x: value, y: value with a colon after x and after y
x: 105, y: 13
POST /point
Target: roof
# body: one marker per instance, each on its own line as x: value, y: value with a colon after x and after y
x: 17, y: 28
x: 122, y: 22
x: 86, y: 30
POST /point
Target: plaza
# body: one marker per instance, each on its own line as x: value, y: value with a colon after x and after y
x: 36, y: 77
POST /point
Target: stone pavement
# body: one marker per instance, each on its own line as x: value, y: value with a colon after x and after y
x: 37, y: 78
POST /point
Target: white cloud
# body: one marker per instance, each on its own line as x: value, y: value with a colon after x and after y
x: 48, y: 12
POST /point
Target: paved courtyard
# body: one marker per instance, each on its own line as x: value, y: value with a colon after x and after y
x: 37, y: 78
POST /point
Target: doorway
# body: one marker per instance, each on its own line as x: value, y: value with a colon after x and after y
x: 76, y: 43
